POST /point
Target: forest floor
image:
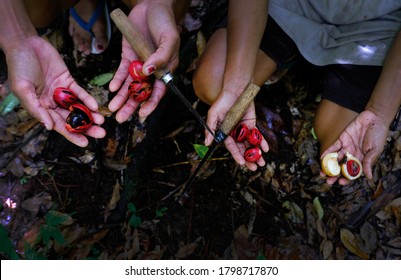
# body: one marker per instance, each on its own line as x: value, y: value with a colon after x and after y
x: 113, y: 199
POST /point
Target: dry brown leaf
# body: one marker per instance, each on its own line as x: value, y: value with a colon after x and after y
x: 16, y: 167
x: 350, y: 242
x: 246, y: 247
x: 32, y: 204
x: 326, y: 247
x: 187, y: 250
x: 115, y: 196
x: 200, y: 43
x: 30, y: 236
x: 369, y: 237
x: 24, y: 127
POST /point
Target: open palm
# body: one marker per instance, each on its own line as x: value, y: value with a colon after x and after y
x: 365, y: 138
x: 35, y: 70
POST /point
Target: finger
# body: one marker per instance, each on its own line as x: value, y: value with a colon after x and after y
x: 212, y: 123
x: 121, y: 97
x: 251, y: 166
x: 31, y: 103
x: 333, y: 148
x: 331, y: 180
x: 343, y: 181
x: 236, y: 150
x: 367, y: 163
x: 164, y: 55
x: 120, y: 76
x: 97, y: 118
x: 127, y: 110
x: 159, y: 89
x: 95, y: 132
x: 264, y: 145
x: 84, y: 96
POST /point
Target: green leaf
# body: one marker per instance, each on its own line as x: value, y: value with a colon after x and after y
x: 135, y: 221
x: 8, y: 104
x: 318, y: 208
x: 261, y: 256
x: 132, y: 207
x: 160, y: 212
x: 54, y: 219
x: 6, y: 247
x: 48, y: 232
x: 101, y: 80
x: 201, y: 150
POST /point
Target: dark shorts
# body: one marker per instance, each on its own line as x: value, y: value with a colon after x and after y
x: 349, y: 86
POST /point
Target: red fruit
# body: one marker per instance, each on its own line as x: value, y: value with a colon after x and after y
x: 254, y: 137
x: 139, y: 91
x: 252, y: 154
x: 240, y: 133
x: 80, y: 118
x: 64, y: 97
x: 135, y: 70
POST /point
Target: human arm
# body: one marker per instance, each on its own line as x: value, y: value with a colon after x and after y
x: 156, y: 20
x: 246, y: 24
x: 35, y: 69
x: 366, y: 136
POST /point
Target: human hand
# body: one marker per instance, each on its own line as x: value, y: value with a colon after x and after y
x: 35, y: 69
x: 216, y: 115
x: 365, y: 138
x: 155, y: 20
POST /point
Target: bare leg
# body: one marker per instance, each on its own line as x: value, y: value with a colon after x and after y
x: 330, y: 121
x: 82, y: 39
x: 43, y: 12
x: 209, y: 72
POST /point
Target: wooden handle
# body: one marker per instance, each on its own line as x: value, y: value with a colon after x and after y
x: 237, y: 111
x: 135, y: 38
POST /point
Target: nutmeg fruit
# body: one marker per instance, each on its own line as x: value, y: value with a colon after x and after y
x: 139, y: 91
x: 351, y: 168
x: 135, y: 70
x: 80, y: 118
x: 240, y: 133
x: 252, y: 154
x: 64, y: 97
x: 254, y: 137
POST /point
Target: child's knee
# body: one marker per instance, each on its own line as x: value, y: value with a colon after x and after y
x: 205, y: 86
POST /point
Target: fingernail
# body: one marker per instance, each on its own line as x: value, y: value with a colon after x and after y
x: 151, y: 69
x: 43, y: 124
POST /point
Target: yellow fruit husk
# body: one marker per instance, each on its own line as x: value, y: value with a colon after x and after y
x: 330, y: 164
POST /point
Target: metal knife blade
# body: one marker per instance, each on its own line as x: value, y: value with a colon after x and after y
x: 141, y: 46
x: 232, y: 118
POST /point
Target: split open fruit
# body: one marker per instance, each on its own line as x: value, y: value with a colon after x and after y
x: 350, y: 168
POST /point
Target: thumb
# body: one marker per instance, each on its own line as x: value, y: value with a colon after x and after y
x: 31, y: 103
x: 164, y: 56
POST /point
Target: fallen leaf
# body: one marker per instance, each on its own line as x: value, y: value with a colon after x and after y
x: 318, y: 208
x: 8, y: 104
x: 101, y: 79
x: 350, y: 242
x: 294, y: 213
x: 187, y: 250
x: 115, y: 196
